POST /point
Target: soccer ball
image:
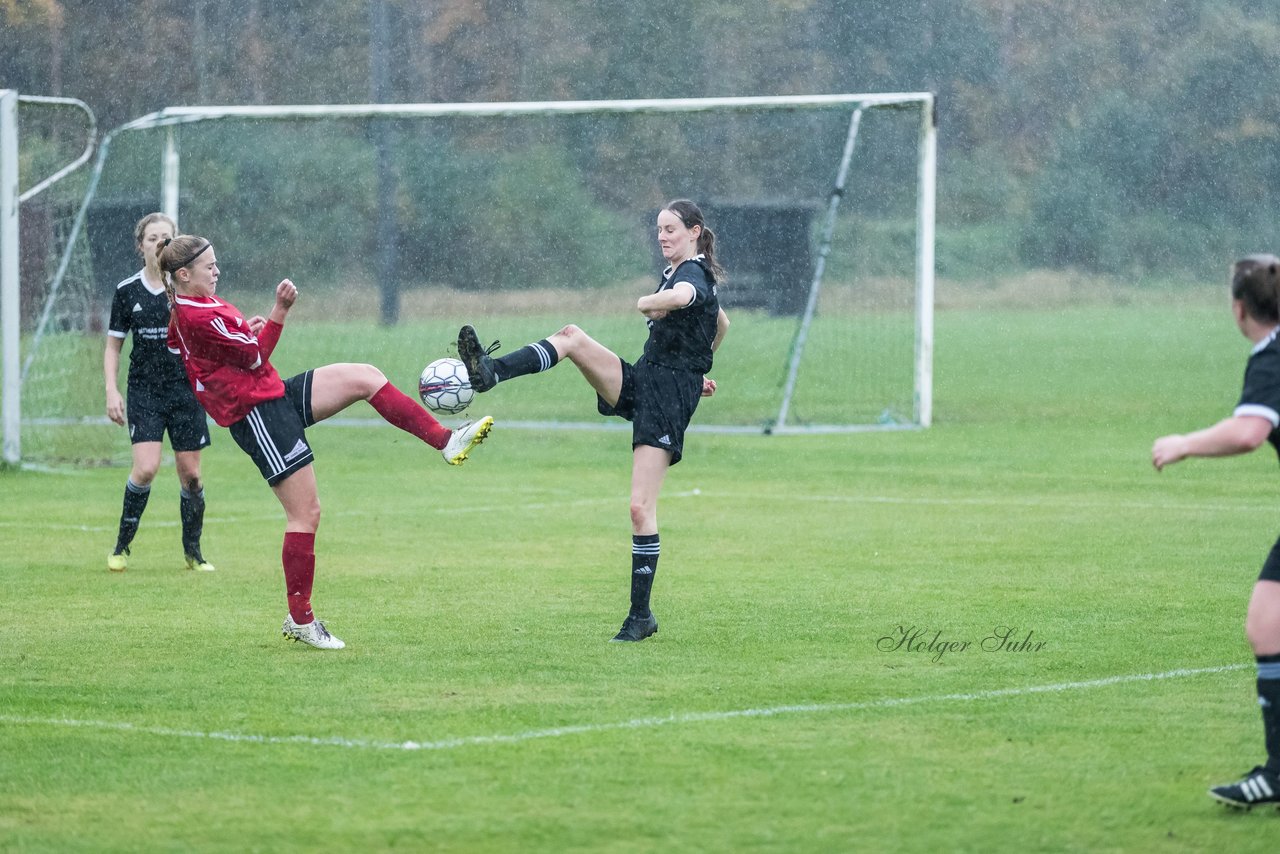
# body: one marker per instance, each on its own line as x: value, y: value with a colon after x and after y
x: 445, y: 386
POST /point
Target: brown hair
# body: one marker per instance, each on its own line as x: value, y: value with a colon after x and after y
x: 690, y: 214
x: 1255, y: 281
x: 178, y: 253
x: 140, y: 230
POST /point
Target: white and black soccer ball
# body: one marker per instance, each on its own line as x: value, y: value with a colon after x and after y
x: 445, y: 386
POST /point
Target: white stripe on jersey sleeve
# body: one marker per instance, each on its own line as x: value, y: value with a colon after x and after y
x: 220, y: 326
x: 1260, y: 411
x: 115, y: 334
x: 692, y: 297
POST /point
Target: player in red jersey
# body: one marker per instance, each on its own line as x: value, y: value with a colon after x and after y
x: 227, y: 359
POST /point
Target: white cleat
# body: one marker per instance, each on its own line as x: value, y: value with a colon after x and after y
x: 199, y: 564
x: 464, y: 439
x: 313, y: 633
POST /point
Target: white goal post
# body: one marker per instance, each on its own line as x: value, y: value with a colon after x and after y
x: 914, y: 413
x: 10, y: 200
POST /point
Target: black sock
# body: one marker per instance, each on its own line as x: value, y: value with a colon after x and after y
x: 1269, y: 700
x: 644, y: 564
x: 135, y: 501
x: 191, y: 509
x: 529, y: 359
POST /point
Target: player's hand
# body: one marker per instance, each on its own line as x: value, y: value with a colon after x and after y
x: 256, y: 323
x: 1168, y: 450
x: 286, y: 294
x: 708, y: 387
x: 115, y: 407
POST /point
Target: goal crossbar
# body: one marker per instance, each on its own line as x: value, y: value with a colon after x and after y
x: 182, y: 115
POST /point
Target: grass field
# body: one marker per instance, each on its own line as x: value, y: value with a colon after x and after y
x: 479, y: 708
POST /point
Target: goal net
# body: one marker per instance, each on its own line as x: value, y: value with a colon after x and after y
x: 401, y: 222
x: 41, y: 190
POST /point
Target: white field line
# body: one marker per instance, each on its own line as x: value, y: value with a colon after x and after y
x: 561, y: 504
x: 329, y: 514
x: 1052, y: 503
x: 633, y: 724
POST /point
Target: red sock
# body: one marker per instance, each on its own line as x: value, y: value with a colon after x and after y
x: 401, y: 411
x: 299, y: 559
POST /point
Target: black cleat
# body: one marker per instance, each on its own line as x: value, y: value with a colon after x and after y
x: 636, y: 629
x: 476, y: 358
x: 1259, y: 786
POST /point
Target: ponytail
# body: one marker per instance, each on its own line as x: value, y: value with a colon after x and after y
x: 690, y: 214
x: 707, y: 247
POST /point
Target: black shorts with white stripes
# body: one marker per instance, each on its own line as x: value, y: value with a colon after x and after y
x: 273, y: 433
x: 659, y: 402
x: 150, y: 413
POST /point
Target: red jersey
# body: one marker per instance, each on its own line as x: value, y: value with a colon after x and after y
x: 226, y: 363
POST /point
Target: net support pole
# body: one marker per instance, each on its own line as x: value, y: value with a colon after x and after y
x: 10, y: 325
x: 815, y: 285
x: 926, y: 208
x: 170, y: 172
x: 77, y: 225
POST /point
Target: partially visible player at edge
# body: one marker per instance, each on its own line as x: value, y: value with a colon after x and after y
x: 159, y: 398
x: 227, y: 362
x: 1255, y: 303
x: 658, y: 394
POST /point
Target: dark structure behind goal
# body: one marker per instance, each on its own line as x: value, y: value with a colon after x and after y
x: 766, y: 250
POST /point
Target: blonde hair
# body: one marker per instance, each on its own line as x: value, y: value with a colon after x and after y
x: 175, y: 254
x: 140, y: 231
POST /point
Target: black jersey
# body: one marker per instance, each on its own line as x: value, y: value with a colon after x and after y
x: 1261, y: 393
x: 683, y: 338
x: 152, y: 366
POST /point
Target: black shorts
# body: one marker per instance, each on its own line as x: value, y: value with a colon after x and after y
x: 1271, y: 568
x: 659, y: 402
x: 149, y: 414
x: 273, y: 433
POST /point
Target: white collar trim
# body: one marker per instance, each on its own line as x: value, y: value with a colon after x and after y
x: 155, y: 292
x: 198, y: 302
x: 699, y: 257
x: 1262, y: 345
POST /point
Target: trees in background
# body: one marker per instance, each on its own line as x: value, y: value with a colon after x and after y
x: 1082, y: 133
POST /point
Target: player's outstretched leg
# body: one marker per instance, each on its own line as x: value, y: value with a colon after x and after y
x: 1258, y: 787
x: 485, y: 371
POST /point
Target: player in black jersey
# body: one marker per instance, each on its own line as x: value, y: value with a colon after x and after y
x: 159, y: 398
x: 1255, y: 303
x: 658, y: 394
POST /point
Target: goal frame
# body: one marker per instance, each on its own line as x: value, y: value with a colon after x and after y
x: 926, y: 195
x: 172, y: 118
